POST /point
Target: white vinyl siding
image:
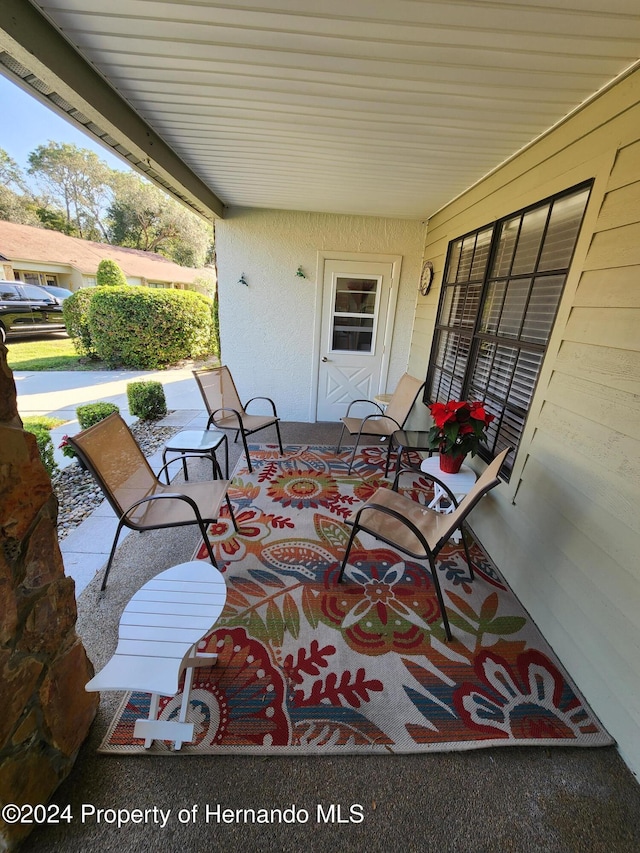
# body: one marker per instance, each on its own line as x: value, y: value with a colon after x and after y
x: 565, y: 530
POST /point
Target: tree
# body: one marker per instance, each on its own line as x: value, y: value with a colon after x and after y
x: 77, y: 182
x: 17, y: 208
x: 16, y: 203
x: 110, y: 274
x: 81, y: 196
x: 10, y: 172
x: 143, y: 217
x: 53, y: 219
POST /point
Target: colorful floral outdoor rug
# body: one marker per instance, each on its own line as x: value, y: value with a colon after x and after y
x: 307, y: 666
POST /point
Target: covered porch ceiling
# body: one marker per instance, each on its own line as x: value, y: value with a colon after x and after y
x: 368, y: 107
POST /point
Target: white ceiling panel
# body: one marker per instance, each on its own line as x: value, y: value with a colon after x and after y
x: 365, y: 107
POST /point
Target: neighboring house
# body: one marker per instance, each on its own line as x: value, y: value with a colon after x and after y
x: 549, y: 334
x: 42, y: 256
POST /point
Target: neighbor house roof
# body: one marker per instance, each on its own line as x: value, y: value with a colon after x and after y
x: 41, y: 245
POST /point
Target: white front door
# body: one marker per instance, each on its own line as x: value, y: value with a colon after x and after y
x: 357, y: 320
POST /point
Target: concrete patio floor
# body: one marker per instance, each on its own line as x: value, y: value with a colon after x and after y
x: 487, y: 801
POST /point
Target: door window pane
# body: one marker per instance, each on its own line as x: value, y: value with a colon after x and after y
x: 354, y: 314
x: 356, y: 296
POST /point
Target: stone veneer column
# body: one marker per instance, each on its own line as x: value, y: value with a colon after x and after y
x: 45, y: 712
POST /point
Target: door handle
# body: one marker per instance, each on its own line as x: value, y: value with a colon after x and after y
x: 324, y: 358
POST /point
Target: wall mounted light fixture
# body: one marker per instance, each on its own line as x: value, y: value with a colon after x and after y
x: 242, y: 280
x: 300, y: 273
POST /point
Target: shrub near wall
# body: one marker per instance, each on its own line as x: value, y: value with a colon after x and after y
x: 145, y: 329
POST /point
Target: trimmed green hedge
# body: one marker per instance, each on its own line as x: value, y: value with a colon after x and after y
x: 110, y: 274
x: 146, y: 329
x: 45, y: 446
x: 93, y: 413
x: 75, y: 310
x: 146, y: 400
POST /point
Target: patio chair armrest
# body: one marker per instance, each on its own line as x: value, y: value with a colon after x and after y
x: 166, y: 496
x: 408, y: 469
x: 370, y: 402
x: 380, y: 417
x: 386, y: 510
x: 212, y: 416
x: 268, y: 399
x: 374, y: 417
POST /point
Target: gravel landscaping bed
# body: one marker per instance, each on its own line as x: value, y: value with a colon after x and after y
x: 76, y: 490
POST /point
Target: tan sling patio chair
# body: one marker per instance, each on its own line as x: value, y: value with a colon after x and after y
x: 227, y: 412
x: 382, y: 423
x: 414, y: 529
x: 135, y: 493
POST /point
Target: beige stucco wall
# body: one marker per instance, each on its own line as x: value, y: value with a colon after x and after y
x: 566, y: 530
x: 268, y: 328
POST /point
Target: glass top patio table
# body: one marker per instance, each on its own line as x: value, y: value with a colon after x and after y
x: 406, y: 440
x: 198, y: 443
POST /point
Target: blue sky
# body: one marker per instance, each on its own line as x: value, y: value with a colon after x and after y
x: 27, y: 123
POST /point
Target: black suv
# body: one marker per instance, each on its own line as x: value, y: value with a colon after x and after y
x: 28, y: 309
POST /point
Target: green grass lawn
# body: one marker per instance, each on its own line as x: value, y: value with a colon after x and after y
x: 55, y: 352
x: 47, y: 353
x: 42, y: 421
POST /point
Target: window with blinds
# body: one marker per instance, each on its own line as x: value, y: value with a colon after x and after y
x: 500, y: 296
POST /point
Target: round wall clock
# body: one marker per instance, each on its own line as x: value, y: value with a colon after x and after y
x: 426, y: 278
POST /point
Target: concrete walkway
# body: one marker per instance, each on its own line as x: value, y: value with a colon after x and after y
x: 58, y: 394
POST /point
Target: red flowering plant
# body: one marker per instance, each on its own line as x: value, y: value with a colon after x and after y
x: 66, y: 448
x: 459, y: 427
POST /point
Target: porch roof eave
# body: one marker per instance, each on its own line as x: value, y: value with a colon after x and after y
x: 44, y: 63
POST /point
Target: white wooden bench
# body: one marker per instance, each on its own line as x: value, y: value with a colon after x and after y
x: 157, y: 639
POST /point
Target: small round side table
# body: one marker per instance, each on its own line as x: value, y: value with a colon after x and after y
x: 383, y: 400
x: 460, y: 485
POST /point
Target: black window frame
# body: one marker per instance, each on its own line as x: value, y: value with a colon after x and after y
x: 461, y: 295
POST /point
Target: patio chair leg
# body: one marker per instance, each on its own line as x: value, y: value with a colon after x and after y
x: 340, y: 441
x: 246, y: 451
x: 386, y: 469
x: 466, y: 551
x: 346, y: 553
x: 353, y: 455
x: 203, y: 531
x: 111, y: 556
x: 279, y: 438
x: 226, y: 457
x: 443, y: 611
x: 233, y: 518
